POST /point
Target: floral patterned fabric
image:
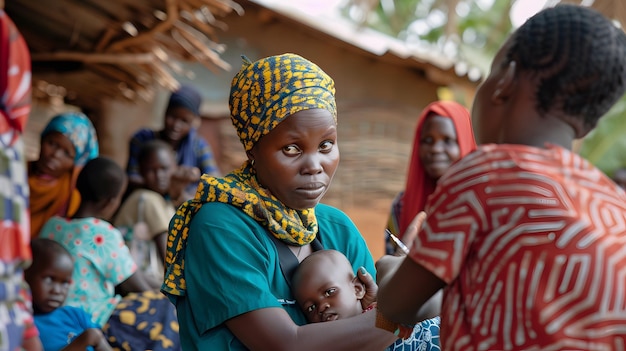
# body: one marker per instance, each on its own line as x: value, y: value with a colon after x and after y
x: 102, y: 260
x: 425, y: 337
x: 16, y: 320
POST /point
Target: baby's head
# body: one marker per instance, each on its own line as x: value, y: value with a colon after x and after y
x: 326, y: 288
x: 50, y: 274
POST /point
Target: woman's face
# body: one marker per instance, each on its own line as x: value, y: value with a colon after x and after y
x: 56, y: 155
x: 439, y: 147
x: 297, y: 160
x: 178, y: 123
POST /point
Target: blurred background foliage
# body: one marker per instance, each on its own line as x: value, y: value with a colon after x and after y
x: 472, y: 31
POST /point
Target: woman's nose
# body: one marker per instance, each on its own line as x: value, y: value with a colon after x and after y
x: 312, y: 165
x: 438, y: 146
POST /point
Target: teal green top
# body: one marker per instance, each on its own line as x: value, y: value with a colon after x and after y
x: 232, y: 267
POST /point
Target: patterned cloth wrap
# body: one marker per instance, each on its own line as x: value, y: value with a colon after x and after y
x: 16, y: 320
x: 262, y: 95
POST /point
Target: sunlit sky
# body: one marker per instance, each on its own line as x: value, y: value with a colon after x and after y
x: 521, y: 10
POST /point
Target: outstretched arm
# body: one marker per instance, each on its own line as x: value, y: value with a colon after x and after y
x: 273, y: 329
x: 403, y: 292
x: 90, y: 337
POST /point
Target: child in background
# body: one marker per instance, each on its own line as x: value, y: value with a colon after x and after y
x: 194, y: 156
x: 60, y: 327
x: 146, y: 213
x: 326, y: 289
x: 139, y: 317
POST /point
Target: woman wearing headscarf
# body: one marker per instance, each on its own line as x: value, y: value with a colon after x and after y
x: 67, y: 142
x: 443, y: 135
x: 193, y: 154
x: 225, y: 268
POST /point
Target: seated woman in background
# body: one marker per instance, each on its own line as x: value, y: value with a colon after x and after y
x: 443, y: 135
x: 193, y: 153
x: 67, y: 142
x: 143, y: 319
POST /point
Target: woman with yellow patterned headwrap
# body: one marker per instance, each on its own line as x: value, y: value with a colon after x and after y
x: 223, y: 270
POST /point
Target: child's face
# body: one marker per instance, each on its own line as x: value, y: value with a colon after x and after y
x: 329, y: 291
x: 157, y: 170
x: 439, y: 147
x: 56, y: 155
x: 49, y: 282
x: 178, y: 123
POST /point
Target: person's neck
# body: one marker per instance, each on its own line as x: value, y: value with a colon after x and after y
x: 549, y: 130
x: 88, y: 210
x: 173, y: 143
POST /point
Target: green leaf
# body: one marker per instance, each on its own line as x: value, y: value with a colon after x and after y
x: 605, y: 146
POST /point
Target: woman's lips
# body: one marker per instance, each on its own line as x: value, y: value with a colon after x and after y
x: 312, y: 191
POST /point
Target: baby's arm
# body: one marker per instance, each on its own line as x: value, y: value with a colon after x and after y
x: 90, y: 337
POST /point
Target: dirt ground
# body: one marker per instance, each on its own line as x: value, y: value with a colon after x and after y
x: 371, y: 222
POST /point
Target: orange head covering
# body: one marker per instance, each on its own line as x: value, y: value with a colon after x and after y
x: 418, y: 184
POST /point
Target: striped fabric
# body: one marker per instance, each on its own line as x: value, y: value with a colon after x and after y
x: 532, y: 245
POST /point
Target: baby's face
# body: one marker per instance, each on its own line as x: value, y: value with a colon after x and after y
x: 327, y: 293
x: 50, y: 283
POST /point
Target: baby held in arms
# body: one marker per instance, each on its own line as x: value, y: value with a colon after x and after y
x: 326, y: 289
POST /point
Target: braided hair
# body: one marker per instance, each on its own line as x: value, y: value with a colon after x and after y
x: 579, y: 57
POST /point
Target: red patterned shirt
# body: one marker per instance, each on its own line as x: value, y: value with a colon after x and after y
x: 532, y: 245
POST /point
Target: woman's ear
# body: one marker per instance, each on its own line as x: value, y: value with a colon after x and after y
x: 359, y: 288
x: 505, y: 85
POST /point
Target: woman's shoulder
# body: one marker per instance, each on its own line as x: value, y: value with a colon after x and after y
x: 331, y: 213
x: 332, y: 220
x: 221, y: 213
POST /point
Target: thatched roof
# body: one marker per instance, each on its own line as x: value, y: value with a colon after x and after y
x: 117, y: 48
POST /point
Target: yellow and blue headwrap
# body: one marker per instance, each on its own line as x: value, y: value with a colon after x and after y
x: 263, y: 94
x: 269, y: 90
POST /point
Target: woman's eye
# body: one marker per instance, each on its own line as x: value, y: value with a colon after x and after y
x: 310, y: 309
x: 291, y: 150
x: 327, y: 146
x: 427, y: 140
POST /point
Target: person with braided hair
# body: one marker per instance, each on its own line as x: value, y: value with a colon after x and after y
x: 229, y: 247
x: 526, y: 238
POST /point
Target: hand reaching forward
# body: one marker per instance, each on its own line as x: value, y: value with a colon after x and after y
x: 371, y: 288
